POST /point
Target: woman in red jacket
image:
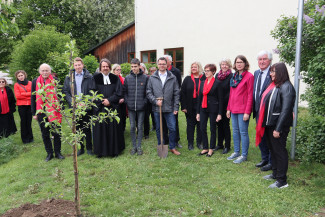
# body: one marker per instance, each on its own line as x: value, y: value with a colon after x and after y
x: 23, y: 92
x: 240, y: 107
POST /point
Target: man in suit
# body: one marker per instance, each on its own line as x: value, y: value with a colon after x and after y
x: 262, y: 79
x: 178, y: 75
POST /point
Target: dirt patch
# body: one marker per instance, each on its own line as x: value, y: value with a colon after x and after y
x: 46, y: 208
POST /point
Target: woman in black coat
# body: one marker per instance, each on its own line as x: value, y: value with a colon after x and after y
x: 7, y: 108
x: 210, y: 106
x: 276, y: 115
x: 189, y: 97
x: 224, y: 76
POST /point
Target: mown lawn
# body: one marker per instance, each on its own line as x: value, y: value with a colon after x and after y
x: 186, y: 185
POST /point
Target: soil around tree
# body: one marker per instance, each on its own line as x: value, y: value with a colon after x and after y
x: 47, y: 208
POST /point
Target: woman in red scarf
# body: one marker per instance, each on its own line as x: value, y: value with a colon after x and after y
x: 23, y: 92
x: 7, y: 108
x: 46, y: 81
x: 189, y: 97
x: 275, y: 119
x: 210, y: 106
x: 224, y: 77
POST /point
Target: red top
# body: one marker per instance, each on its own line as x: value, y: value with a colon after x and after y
x: 241, y: 97
x: 23, y: 95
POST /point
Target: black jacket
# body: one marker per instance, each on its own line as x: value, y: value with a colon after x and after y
x: 215, y: 98
x: 178, y: 75
x: 134, y: 90
x: 87, y: 84
x: 279, y: 109
x: 11, y: 100
x: 225, y: 85
x: 187, y: 95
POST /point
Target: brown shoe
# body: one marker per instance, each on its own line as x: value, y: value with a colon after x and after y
x: 175, y: 152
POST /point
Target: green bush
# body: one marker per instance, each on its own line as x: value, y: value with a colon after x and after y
x: 34, y: 49
x: 8, y: 149
x: 310, y: 141
x: 126, y: 68
x: 91, y: 63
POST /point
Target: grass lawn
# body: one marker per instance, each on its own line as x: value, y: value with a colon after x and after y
x: 185, y: 185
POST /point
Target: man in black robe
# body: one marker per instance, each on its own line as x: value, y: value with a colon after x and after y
x: 108, y: 135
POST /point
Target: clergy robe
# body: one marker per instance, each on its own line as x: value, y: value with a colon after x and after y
x: 108, y: 136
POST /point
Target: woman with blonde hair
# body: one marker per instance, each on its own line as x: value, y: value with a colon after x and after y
x: 23, y: 92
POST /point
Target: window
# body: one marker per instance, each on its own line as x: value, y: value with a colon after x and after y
x: 131, y: 56
x: 148, y: 56
x: 178, y: 57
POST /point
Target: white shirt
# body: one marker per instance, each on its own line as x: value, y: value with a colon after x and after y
x: 162, y: 77
x: 106, y: 79
x: 265, y: 73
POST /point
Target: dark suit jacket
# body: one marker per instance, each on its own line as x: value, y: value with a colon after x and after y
x: 263, y: 88
x: 215, y: 98
x: 178, y: 75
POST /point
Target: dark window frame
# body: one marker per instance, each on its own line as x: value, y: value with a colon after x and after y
x: 174, y: 56
x: 148, y: 52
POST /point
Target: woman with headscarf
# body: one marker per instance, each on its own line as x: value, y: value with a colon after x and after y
x: 7, y: 108
x: 23, y: 92
x: 275, y: 120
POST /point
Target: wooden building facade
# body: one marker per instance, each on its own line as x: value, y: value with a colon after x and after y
x: 118, y: 48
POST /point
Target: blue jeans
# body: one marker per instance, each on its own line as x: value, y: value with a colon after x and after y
x: 240, y: 133
x: 132, y: 116
x: 171, y: 125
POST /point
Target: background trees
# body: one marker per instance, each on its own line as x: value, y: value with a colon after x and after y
x: 310, y: 130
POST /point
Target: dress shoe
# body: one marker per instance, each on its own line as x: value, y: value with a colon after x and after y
x: 199, y: 146
x: 59, y: 156
x: 218, y: 147
x: 90, y: 152
x: 190, y: 147
x: 179, y: 145
x: 261, y: 164
x: 175, y: 152
x: 203, y: 153
x: 80, y: 152
x: 267, y: 167
x: 225, y: 150
x: 209, y: 155
x: 49, y: 157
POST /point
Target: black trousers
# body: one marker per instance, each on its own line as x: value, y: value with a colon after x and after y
x: 204, y: 116
x: 224, y: 132
x: 190, y: 129
x: 279, y: 153
x: 84, y: 125
x: 26, y: 123
x: 146, y: 122
x: 46, y: 136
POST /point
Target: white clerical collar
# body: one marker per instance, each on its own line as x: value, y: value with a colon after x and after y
x: 106, y: 79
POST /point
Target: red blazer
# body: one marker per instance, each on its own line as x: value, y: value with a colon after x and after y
x: 23, y: 95
x: 241, y: 97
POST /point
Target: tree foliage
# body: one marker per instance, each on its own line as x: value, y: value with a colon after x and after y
x: 36, y: 48
x: 91, y: 63
x: 312, y: 50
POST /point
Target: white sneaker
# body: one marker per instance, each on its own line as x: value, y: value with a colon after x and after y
x: 240, y: 159
x: 278, y: 185
x: 233, y: 156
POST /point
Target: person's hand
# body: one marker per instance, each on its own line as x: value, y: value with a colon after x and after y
x: 121, y: 101
x: 198, y: 117
x: 159, y: 102
x: 276, y: 134
x: 175, y: 112
x: 246, y: 117
x: 35, y: 117
x: 218, y: 118
x: 184, y: 110
x: 105, y: 102
x: 228, y: 114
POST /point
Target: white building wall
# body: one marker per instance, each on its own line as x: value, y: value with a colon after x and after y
x: 210, y: 30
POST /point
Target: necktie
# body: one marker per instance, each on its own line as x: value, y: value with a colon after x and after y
x: 257, y: 92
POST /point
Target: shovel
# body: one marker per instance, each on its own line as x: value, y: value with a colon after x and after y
x: 162, y: 149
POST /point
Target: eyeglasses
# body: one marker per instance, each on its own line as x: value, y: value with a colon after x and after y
x: 207, y: 70
x: 272, y: 71
x: 2, y: 82
x: 239, y: 62
x: 118, y: 69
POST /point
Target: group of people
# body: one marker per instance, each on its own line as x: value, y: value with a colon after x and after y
x: 203, y: 95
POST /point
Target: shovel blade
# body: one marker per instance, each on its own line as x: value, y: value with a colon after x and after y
x: 164, y: 151
x: 159, y: 150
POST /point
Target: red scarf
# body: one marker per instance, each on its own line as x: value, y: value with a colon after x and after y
x: 121, y: 79
x: 206, y: 89
x: 170, y: 67
x: 4, y: 101
x: 52, y: 98
x: 195, y: 94
x: 259, y: 128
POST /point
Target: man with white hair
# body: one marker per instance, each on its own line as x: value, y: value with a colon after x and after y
x: 262, y: 79
x: 46, y: 81
x: 178, y: 75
